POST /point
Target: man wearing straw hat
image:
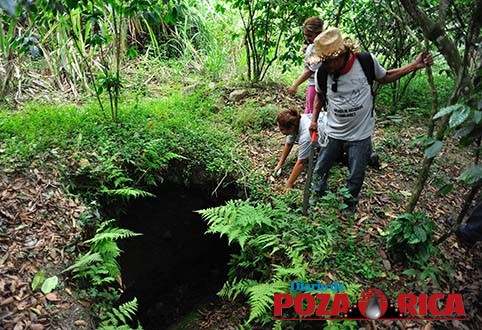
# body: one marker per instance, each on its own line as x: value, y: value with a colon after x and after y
x: 348, y: 100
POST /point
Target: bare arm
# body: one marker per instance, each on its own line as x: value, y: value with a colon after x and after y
x: 394, y: 74
x: 300, y: 163
x: 284, y: 154
x: 304, y: 76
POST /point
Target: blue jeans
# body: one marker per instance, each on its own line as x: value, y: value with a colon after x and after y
x: 358, y: 153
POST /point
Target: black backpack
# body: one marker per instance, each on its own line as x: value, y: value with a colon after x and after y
x: 366, y: 62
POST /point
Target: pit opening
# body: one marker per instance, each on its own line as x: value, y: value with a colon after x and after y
x: 173, y: 268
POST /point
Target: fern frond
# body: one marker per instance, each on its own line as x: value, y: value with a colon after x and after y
x: 129, y: 309
x: 237, y: 220
x: 127, y: 192
x: 112, y: 234
x: 83, y: 261
x: 277, y: 325
x: 117, y: 317
x: 233, y: 289
x: 265, y: 241
x: 261, y: 297
x: 298, y: 271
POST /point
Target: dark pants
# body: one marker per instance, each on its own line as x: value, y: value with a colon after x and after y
x: 358, y: 153
x: 471, y: 231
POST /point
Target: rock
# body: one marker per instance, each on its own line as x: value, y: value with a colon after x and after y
x: 36, y: 326
x: 383, y: 254
x: 238, y: 94
x: 387, y: 264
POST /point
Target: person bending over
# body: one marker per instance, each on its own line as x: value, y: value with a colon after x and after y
x: 296, y: 128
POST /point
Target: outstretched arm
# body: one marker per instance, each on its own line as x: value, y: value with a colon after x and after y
x: 284, y: 154
x: 300, y: 163
x: 304, y: 76
x: 394, y: 74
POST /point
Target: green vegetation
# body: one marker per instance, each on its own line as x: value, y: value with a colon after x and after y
x: 279, y: 245
x: 113, y: 95
x: 105, y: 158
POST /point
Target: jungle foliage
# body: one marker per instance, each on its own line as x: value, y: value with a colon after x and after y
x: 117, y: 142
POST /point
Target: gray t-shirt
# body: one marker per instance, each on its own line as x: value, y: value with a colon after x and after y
x: 351, y: 115
x: 303, y: 137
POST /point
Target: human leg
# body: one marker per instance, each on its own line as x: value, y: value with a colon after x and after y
x: 358, y: 157
x: 310, y: 99
x: 326, y: 158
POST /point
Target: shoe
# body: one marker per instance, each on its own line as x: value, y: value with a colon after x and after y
x: 374, y: 161
x: 465, y: 238
x: 349, y: 210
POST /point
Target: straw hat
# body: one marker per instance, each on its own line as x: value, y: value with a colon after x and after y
x: 329, y: 44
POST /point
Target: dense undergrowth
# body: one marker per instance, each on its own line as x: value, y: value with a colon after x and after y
x: 193, y: 136
x: 179, y: 139
x: 100, y: 157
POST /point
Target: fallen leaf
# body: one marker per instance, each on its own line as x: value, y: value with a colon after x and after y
x: 80, y: 323
x: 52, y: 296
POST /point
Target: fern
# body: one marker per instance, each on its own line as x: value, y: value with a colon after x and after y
x: 154, y: 156
x: 267, y: 240
x: 117, y: 318
x: 127, y: 192
x: 277, y: 325
x: 298, y: 271
x: 233, y: 289
x: 237, y: 220
x: 84, y: 261
x: 99, y: 264
x: 261, y: 297
x: 111, y: 234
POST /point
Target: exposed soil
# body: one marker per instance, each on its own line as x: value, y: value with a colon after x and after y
x: 38, y: 231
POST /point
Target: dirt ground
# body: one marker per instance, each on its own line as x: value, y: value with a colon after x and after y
x: 39, y: 231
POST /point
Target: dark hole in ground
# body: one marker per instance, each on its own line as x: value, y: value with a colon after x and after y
x: 174, y: 267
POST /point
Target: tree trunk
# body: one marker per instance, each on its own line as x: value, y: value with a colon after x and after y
x: 435, y: 32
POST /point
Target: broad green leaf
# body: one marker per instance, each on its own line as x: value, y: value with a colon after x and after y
x: 38, y: 279
x: 472, y: 175
x: 447, y: 110
x: 459, y: 116
x: 418, y: 140
x: 477, y: 117
x: 420, y: 233
x: 444, y: 190
x: 50, y: 284
x: 410, y: 272
x: 433, y: 150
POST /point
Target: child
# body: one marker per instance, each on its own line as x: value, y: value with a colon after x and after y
x: 312, y: 27
x: 296, y: 127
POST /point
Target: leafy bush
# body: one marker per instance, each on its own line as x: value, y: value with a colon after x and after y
x: 410, y: 233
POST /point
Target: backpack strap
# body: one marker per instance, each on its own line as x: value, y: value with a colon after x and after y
x: 322, y: 80
x: 366, y: 62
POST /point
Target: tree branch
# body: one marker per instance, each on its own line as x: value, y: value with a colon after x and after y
x: 435, y: 33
